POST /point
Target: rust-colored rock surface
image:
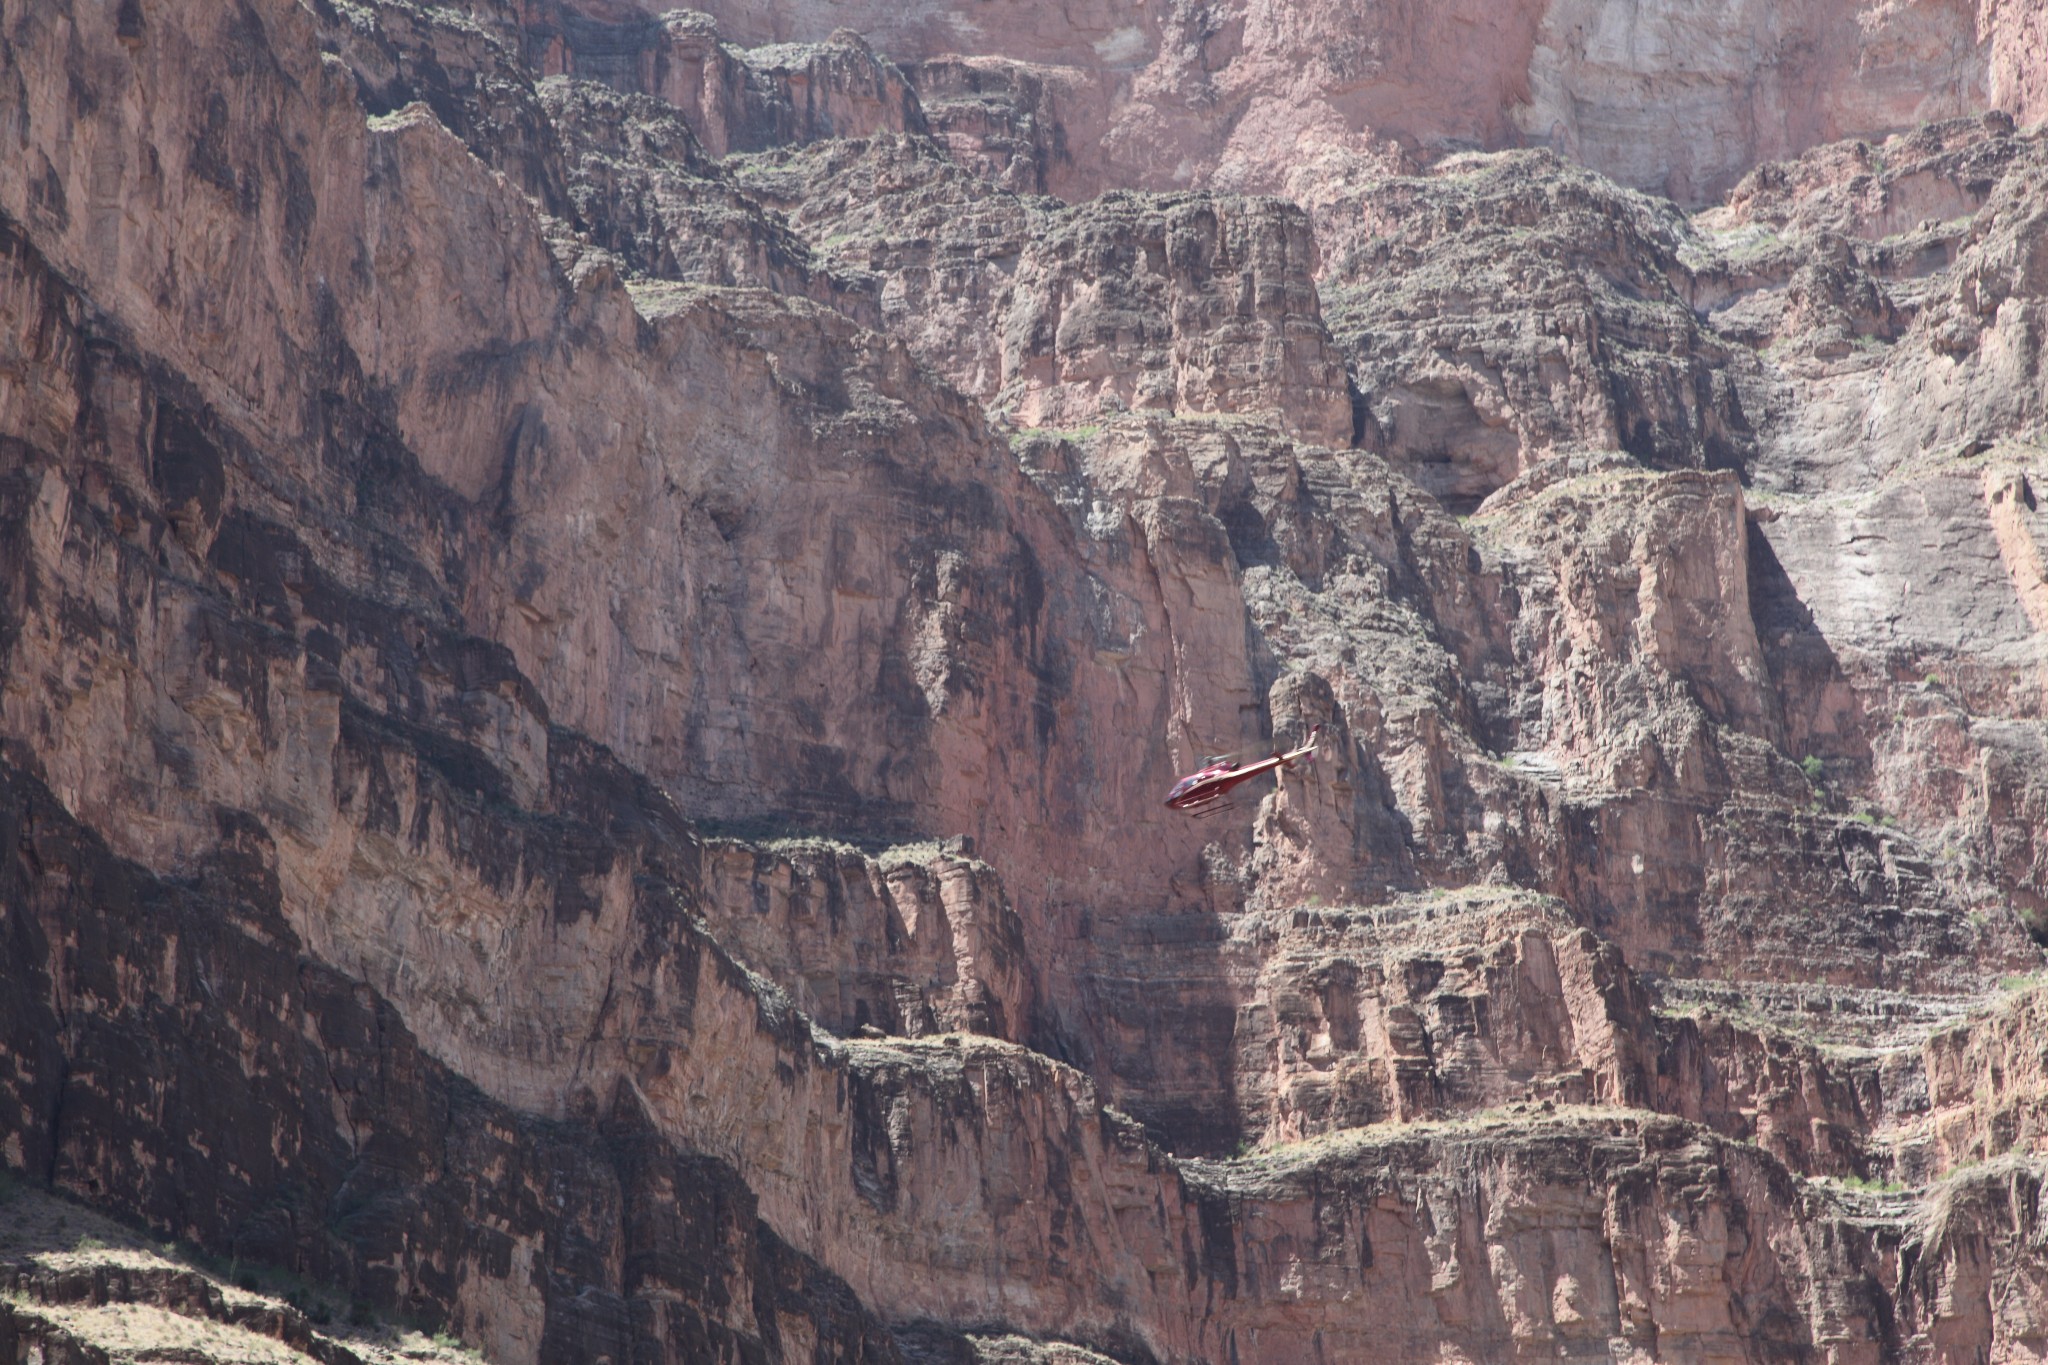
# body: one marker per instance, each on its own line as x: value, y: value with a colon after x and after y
x: 596, y: 607
x: 1676, y: 98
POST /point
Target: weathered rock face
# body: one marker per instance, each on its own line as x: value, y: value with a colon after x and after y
x: 1550, y: 314
x: 595, y: 615
x: 737, y: 101
x: 200, y: 1073
x: 901, y: 945
x: 639, y: 184
x: 1675, y: 98
x: 1232, y: 279
x: 1684, y: 100
x: 1061, y: 316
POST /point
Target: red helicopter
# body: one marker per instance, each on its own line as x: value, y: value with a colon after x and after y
x: 1200, y: 792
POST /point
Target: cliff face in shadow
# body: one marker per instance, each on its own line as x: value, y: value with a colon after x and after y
x: 596, y: 610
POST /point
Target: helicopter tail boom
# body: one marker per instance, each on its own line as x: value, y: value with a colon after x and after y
x: 1306, y: 751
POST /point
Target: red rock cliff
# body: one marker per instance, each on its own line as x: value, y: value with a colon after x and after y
x: 597, y: 607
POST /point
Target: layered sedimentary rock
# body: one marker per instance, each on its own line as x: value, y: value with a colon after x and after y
x: 1677, y: 99
x: 597, y: 609
x: 1545, y: 308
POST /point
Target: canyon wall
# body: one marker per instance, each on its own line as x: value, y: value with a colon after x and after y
x: 1678, y: 98
x: 598, y: 606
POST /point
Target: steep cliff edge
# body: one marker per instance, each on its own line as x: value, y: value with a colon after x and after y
x: 1674, y: 98
x: 589, y: 668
